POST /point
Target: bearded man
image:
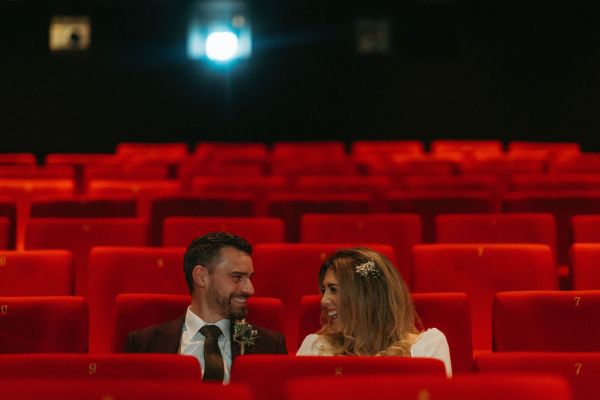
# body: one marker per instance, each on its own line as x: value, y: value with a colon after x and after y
x: 218, y: 270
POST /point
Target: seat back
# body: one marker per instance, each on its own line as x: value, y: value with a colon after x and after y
x: 480, y: 271
x: 79, y: 235
x: 116, y: 270
x: 584, y: 264
x: 53, y: 324
x: 36, y: 273
x: 547, y: 321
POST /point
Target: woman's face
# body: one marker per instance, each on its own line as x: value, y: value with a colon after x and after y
x: 330, y: 300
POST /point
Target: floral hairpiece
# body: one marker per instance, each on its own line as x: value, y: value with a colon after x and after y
x: 368, y: 270
x: 244, y: 334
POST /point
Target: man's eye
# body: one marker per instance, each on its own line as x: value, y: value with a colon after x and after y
x: 237, y: 278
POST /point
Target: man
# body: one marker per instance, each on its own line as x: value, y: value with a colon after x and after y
x: 218, y: 270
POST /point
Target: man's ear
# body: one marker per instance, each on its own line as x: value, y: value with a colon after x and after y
x: 200, y: 275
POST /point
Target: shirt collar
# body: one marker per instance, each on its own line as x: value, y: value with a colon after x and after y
x: 194, y: 323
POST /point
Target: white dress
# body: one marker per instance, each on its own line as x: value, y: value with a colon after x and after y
x: 431, y: 343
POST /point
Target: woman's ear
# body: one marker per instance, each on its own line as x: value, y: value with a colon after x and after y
x: 200, y: 276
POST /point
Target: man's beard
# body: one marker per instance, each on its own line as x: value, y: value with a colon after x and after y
x: 223, y: 304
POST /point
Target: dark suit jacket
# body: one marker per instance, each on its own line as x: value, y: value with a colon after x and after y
x: 166, y: 337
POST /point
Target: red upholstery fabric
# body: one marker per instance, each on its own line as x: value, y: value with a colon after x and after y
x: 57, y: 324
x: 480, y: 271
x: 466, y: 146
x: 266, y: 375
x: 290, y: 271
x: 180, y: 231
x: 84, y: 207
x: 284, y: 149
x: 387, y: 146
x: 8, y: 209
x: 29, y: 187
x: 547, y: 321
x: 428, y: 204
x: 5, y: 233
x: 100, y: 367
x: 581, y: 369
x: 336, y: 184
x: 116, y: 270
x: 174, y: 150
x: 401, y: 231
x: 496, y: 228
x: 79, y: 235
x: 140, y: 310
x: 80, y: 389
x: 449, y: 312
x: 255, y: 184
x: 563, y: 205
x: 36, y: 273
x: 17, y: 158
x: 210, y: 205
x: 586, y: 228
x: 585, y: 264
x: 291, y: 206
x: 488, y: 386
x: 553, y: 182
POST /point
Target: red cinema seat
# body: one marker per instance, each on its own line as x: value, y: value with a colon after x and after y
x: 466, y: 146
x: 205, y: 184
x: 141, y: 310
x: 17, y: 158
x: 180, y: 231
x: 32, y: 171
x: 554, y: 147
x: 101, y: 367
x: 481, y: 270
x: 79, y: 235
x: 169, y: 151
x: 298, y: 263
x: 401, y: 231
x: 449, y: 312
x: 336, y: 184
x: 387, y: 146
x: 487, y: 183
x: 36, y: 273
x: 585, y: 264
x: 5, y: 233
x: 286, y: 150
x: 496, y: 228
x: 291, y: 206
x: 116, y: 270
x: 562, y: 204
x: 580, y: 369
x: 267, y: 374
x: 586, y: 228
x: 553, y: 182
x: 84, y: 207
x: 547, y: 321
x: 125, y: 171
x: 8, y: 210
x: 53, y: 324
x: 428, y: 204
x: 147, y: 389
x: 411, y: 386
x: 210, y: 205
x: 30, y: 187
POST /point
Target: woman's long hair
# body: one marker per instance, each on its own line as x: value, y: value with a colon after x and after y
x: 376, y: 310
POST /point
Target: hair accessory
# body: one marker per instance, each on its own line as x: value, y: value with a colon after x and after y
x: 368, y: 269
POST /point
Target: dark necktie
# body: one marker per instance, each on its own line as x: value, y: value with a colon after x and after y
x: 213, y: 360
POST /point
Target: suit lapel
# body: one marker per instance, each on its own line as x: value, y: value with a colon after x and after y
x: 171, y: 336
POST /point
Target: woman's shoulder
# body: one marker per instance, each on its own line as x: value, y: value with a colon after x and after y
x: 428, y: 341
x: 313, y: 345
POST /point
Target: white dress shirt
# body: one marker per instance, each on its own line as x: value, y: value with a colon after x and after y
x: 192, y: 341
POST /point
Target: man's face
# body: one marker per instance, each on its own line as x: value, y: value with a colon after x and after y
x: 229, y: 284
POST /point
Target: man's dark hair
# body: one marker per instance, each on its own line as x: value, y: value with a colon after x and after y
x: 204, y: 250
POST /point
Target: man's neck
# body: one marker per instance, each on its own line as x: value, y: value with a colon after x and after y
x: 205, y: 313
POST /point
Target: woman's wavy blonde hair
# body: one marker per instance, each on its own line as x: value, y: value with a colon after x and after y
x: 376, y: 309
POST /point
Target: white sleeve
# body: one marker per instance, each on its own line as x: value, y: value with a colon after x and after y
x: 433, y: 344
x: 308, y: 347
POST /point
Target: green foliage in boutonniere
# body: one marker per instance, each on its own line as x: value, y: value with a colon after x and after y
x: 244, y: 334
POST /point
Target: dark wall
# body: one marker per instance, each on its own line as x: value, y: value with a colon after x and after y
x: 510, y: 69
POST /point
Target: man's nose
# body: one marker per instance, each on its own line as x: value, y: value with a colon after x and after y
x: 248, y: 288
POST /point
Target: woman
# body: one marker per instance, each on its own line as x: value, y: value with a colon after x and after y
x: 367, y: 311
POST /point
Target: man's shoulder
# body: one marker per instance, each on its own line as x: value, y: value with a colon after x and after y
x: 160, y: 338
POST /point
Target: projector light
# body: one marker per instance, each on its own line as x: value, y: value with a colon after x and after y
x: 221, y: 46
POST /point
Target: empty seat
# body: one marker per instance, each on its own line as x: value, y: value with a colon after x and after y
x: 497, y: 228
x: 137, y: 311
x: 267, y: 374
x: 586, y: 228
x: 547, y: 321
x: 581, y: 369
x: 56, y: 324
x: 401, y: 231
x: 585, y: 264
x: 467, y: 146
x: 180, y: 231
x: 170, y: 151
x: 563, y: 205
x: 17, y: 158
x: 79, y: 389
x: 410, y: 386
x: 209, y: 205
x: 36, y: 273
x: 291, y: 206
x: 116, y: 270
x: 553, y: 182
x: 480, y: 271
x: 290, y: 271
x: 428, y: 204
x: 5, y: 233
x: 387, y: 146
x: 30, y: 187
x: 449, y: 312
x: 283, y: 149
x: 101, y: 367
x: 79, y: 235
x: 84, y: 207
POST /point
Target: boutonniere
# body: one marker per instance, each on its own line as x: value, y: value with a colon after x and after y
x: 244, y: 334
